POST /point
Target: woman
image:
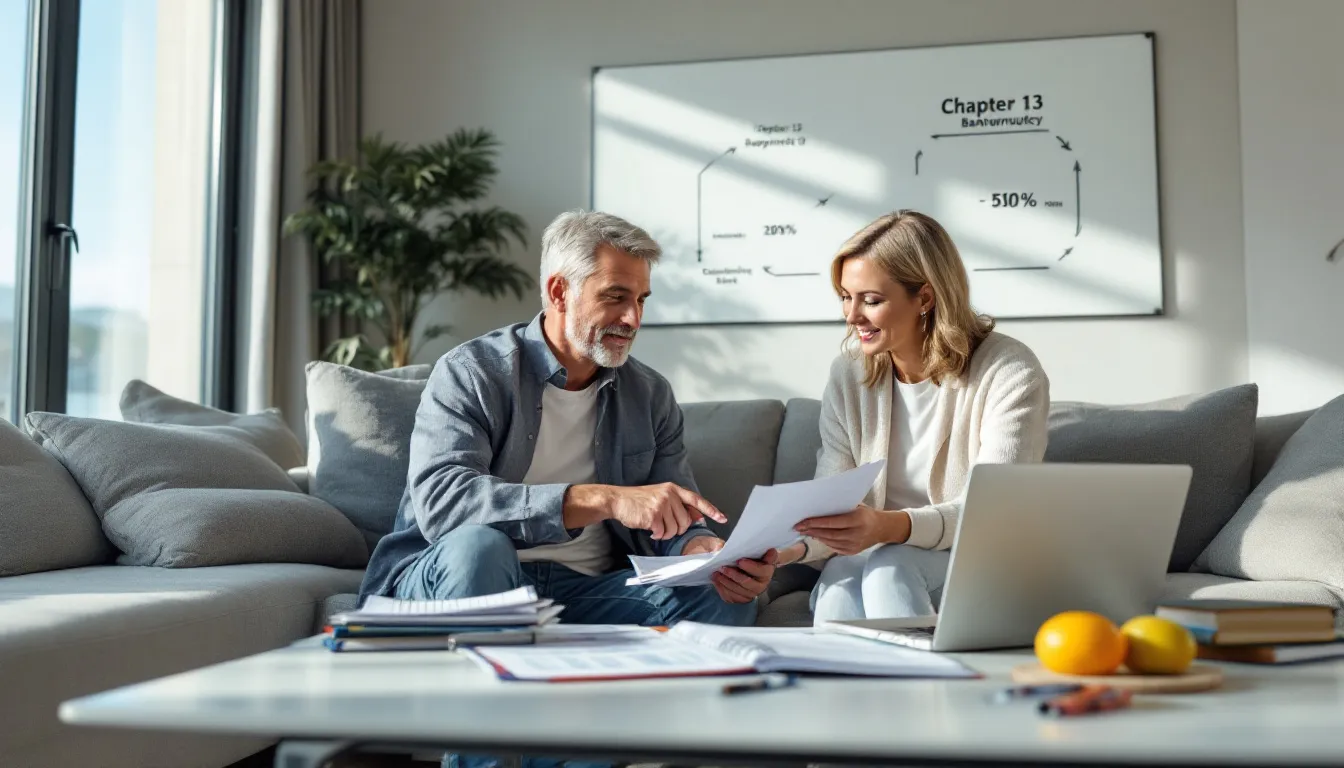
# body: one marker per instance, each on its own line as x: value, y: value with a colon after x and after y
x: 933, y: 391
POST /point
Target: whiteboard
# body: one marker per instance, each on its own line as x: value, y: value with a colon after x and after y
x: 1039, y: 158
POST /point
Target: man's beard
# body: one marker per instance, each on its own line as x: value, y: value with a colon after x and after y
x: 595, y: 350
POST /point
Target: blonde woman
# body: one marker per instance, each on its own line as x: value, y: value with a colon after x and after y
x: 933, y: 389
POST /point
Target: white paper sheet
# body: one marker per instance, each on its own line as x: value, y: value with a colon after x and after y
x: 611, y: 659
x: 502, y: 602
x: 766, y: 523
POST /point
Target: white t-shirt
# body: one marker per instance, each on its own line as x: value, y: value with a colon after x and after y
x: 564, y: 454
x: 913, y: 447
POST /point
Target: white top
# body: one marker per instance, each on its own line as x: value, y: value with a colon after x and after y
x: 914, y: 443
x: 564, y: 454
x: 1262, y: 716
x: 995, y: 414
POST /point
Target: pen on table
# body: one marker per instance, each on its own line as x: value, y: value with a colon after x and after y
x: 1032, y: 691
x: 1092, y: 698
x: 762, y: 683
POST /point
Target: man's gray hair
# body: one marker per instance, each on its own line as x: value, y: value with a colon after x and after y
x: 569, y: 245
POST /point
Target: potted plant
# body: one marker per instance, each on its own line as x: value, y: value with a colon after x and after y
x: 403, y: 225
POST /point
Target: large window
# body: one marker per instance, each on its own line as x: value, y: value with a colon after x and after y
x: 115, y: 120
x: 141, y: 174
x: 13, y: 77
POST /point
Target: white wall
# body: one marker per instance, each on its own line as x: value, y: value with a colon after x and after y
x: 1292, y: 106
x: 522, y: 69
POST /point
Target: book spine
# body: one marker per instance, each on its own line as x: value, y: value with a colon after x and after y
x: 1245, y: 654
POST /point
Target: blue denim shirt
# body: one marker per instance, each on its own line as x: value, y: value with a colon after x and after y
x: 475, y: 433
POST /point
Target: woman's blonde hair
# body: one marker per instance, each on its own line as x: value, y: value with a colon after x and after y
x: 914, y: 250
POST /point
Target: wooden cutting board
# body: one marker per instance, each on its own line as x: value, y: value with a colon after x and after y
x: 1198, y: 677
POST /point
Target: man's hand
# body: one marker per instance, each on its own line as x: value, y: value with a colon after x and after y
x: 853, y: 532
x: 666, y: 510
x: 739, y: 583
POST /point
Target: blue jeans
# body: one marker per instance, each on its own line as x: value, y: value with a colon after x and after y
x: 887, y: 582
x: 479, y: 560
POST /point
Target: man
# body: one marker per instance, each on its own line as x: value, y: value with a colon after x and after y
x: 543, y: 454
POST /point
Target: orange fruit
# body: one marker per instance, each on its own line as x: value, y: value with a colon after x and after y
x: 1157, y: 646
x: 1080, y: 643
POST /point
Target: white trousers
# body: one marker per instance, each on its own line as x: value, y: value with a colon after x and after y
x: 886, y: 582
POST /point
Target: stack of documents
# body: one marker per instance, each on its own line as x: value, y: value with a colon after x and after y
x: 386, y: 623
x: 767, y: 523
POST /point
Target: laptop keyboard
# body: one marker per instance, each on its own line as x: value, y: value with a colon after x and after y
x: 916, y: 631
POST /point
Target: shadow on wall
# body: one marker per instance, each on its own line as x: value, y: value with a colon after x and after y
x: 720, y: 362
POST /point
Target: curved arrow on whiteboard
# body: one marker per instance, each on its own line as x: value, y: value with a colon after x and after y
x: 772, y: 273
x: 1078, y: 196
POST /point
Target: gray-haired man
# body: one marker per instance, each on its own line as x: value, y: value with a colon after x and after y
x: 542, y: 454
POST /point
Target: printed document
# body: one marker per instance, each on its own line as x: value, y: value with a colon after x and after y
x: 767, y: 523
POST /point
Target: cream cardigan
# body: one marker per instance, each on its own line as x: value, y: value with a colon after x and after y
x: 995, y: 414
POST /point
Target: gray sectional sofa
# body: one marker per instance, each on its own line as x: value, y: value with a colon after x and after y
x: 1262, y: 514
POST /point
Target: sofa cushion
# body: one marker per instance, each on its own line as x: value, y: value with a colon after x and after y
x: 731, y: 445
x: 194, y: 527
x: 1207, y: 586
x: 45, y: 521
x: 799, y: 441
x: 80, y: 631
x: 789, y: 610
x: 1292, y: 524
x: 144, y: 404
x: 408, y: 372
x: 1213, y: 433
x: 359, y: 440
x: 1271, y: 434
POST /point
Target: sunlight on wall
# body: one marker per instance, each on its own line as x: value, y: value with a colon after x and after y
x: 848, y: 173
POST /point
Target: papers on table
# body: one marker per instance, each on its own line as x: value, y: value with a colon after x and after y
x: 767, y: 523
x: 519, y: 607
x: 690, y: 649
x: 613, y: 659
x: 780, y: 649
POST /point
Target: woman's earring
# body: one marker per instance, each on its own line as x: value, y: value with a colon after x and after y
x: 924, y: 316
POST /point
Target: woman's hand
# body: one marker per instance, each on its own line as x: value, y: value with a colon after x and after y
x: 792, y: 553
x: 855, y: 531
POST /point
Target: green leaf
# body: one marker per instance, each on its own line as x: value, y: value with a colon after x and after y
x: 356, y: 352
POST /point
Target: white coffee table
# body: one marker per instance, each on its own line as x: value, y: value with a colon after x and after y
x: 429, y: 701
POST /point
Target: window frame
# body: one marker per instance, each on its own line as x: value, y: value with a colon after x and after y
x: 46, y: 194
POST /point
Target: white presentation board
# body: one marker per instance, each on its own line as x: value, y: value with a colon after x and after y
x: 1039, y: 158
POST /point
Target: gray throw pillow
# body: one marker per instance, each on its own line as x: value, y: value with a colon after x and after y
x: 1213, y: 433
x: 45, y: 521
x: 142, y: 403
x: 359, y: 440
x: 114, y: 460
x: 1292, y: 525
x: 192, y: 527
x: 408, y: 372
x: 731, y: 447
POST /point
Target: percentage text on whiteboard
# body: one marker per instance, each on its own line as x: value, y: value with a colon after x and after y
x: 1013, y: 200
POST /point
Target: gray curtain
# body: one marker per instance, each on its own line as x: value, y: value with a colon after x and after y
x: 317, y: 108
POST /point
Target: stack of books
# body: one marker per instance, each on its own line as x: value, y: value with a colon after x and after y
x: 387, y: 624
x: 1257, y: 632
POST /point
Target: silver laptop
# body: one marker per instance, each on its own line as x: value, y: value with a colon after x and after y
x: 1034, y: 540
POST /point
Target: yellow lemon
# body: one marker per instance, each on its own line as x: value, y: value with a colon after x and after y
x: 1080, y: 643
x: 1157, y: 646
